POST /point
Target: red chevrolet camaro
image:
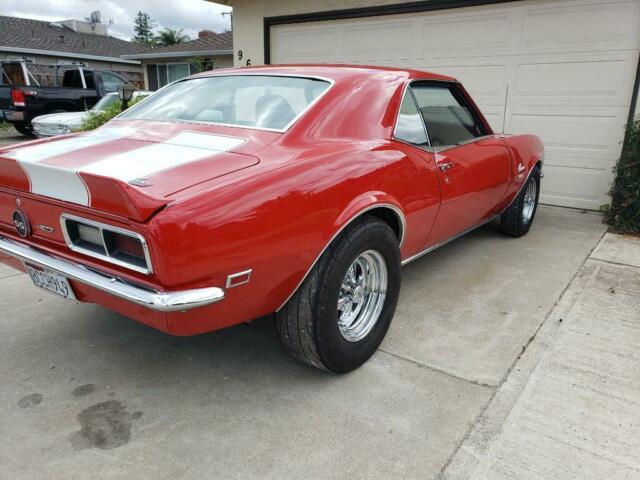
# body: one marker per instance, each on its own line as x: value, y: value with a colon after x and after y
x: 294, y: 190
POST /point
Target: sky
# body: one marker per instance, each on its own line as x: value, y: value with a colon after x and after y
x: 190, y: 15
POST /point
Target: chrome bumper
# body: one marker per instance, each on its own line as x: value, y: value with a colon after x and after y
x: 161, y: 301
x: 13, y: 116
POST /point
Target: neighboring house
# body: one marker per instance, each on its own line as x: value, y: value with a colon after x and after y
x: 568, y: 70
x: 166, y: 64
x: 66, y: 42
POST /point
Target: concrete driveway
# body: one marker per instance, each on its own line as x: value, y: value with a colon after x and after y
x: 9, y: 136
x: 88, y: 393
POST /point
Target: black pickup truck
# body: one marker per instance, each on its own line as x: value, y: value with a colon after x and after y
x: 23, y: 95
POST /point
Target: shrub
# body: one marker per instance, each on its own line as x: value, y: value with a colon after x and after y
x: 624, y: 212
x: 199, y: 64
x: 98, y: 118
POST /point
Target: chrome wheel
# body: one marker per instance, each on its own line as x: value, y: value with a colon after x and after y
x: 362, y: 295
x: 529, y: 204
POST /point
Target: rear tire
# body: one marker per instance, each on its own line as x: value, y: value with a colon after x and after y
x: 313, y: 329
x: 23, y: 129
x: 516, y: 220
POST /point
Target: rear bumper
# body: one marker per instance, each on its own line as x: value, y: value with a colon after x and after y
x: 11, y: 116
x: 177, y: 301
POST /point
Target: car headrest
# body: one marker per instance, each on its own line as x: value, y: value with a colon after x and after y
x: 273, y: 111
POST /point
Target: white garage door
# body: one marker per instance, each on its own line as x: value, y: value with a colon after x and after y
x: 569, y: 66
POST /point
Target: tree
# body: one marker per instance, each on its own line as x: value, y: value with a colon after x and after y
x: 143, y: 26
x: 199, y: 64
x: 171, y: 37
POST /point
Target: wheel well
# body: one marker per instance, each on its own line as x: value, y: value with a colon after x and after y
x: 392, y: 218
x: 388, y: 213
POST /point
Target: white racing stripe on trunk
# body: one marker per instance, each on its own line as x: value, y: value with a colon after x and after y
x: 43, y: 151
x: 205, y: 140
x: 67, y: 185
x: 61, y: 183
x: 184, y: 148
x: 58, y: 183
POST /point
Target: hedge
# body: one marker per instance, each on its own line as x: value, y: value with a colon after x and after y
x: 624, y: 212
x: 97, y: 118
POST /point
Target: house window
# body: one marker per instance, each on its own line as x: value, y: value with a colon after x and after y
x: 152, y: 77
x: 162, y: 74
x: 176, y: 71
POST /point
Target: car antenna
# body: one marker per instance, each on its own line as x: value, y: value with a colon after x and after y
x: 504, y: 114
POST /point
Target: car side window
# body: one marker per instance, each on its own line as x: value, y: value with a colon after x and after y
x: 111, y: 82
x: 448, y: 118
x: 409, y: 125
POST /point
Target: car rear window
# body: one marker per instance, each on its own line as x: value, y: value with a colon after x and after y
x: 253, y: 101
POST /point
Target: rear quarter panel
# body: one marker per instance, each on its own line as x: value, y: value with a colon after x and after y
x: 280, y: 221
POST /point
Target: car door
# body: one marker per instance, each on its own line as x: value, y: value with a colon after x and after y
x: 111, y: 82
x: 473, y: 164
x: 411, y: 139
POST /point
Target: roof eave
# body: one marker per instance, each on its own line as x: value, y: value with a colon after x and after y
x: 195, y: 53
x: 80, y: 56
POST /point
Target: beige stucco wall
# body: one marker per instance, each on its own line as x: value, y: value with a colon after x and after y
x: 248, y: 15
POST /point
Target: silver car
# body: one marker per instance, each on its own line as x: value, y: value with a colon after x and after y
x: 67, y: 122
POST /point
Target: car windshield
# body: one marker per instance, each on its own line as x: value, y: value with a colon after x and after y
x: 253, y: 101
x: 106, y: 101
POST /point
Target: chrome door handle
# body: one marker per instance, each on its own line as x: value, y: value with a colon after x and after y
x: 446, y: 166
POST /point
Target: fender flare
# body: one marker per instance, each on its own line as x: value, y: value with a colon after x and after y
x: 356, y: 208
x: 539, y: 162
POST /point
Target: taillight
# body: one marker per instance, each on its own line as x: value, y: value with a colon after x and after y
x: 112, y: 244
x: 124, y: 247
x: 17, y: 97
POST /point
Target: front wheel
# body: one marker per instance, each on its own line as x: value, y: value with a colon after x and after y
x: 516, y: 220
x: 340, y: 314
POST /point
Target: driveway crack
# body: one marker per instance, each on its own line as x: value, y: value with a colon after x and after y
x: 436, y: 369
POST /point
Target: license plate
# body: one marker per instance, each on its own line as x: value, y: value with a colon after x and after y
x: 51, y: 282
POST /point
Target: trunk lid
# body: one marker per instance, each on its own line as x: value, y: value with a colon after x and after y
x: 129, y: 168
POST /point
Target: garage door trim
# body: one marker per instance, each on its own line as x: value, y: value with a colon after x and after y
x: 374, y: 11
x: 634, y: 100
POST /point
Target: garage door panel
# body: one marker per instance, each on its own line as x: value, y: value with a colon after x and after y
x: 459, y: 34
x: 304, y: 42
x: 569, y: 67
x: 574, y: 187
x: 379, y: 38
x: 570, y: 81
x: 601, y: 27
x: 572, y: 134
